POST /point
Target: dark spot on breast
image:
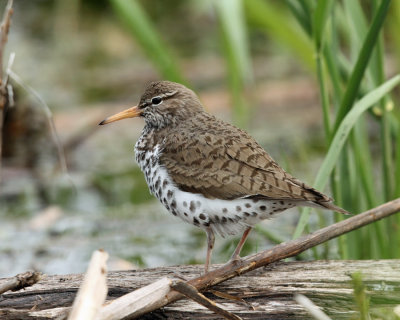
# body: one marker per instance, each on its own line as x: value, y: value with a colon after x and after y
x: 173, y: 204
x: 195, y: 221
x: 238, y: 208
x: 255, y: 200
x: 164, y: 184
x: 192, y: 206
x: 254, y: 214
x: 185, y: 214
x: 185, y: 204
x: 173, y: 212
x: 224, y: 220
x: 170, y: 193
x: 230, y: 220
x: 216, y: 218
x: 198, y: 204
x: 237, y: 218
x: 246, y: 214
x: 157, y: 185
x: 263, y: 208
x: 281, y: 202
x: 202, y: 216
x: 224, y: 210
x: 247, y: 205
x: 206, y: 224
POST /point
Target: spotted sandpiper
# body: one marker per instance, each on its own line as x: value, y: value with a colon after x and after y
x: 207, y: 172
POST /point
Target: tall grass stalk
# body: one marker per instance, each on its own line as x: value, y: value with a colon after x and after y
x: 237, y: 55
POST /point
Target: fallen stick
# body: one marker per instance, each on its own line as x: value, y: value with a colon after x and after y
x: 145, y: 299
x: 279, y: 252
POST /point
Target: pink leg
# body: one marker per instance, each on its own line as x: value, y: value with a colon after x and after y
x: 210, y: 246
x: 236, y: 253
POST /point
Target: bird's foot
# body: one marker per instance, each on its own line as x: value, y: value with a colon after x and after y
x: 235, y: 259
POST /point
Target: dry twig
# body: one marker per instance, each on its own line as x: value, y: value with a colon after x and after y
x: 148, y: 298
x: 4, y: 28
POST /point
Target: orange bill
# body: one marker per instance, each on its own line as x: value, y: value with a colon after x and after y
x: 128, y: 113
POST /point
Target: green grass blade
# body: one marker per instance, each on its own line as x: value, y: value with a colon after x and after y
x: 320, y: 18
x: 302, y: 16
x: 360, y: 296
x: 359, y: 69
x: 340, y: 138
x: 141, y: 27
x: 237, y: 53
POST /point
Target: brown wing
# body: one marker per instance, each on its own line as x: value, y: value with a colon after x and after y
x: 222, y: 161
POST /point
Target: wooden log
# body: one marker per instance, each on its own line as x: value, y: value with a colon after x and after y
x: 268, y: 290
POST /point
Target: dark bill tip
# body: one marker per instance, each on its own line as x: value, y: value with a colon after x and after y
x: 103, y: 122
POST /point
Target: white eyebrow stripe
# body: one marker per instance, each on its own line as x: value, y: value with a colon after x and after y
x: 164, y: 95
x: 169, y: 94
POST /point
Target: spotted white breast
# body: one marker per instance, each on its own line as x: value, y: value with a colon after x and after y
x: 226, y: 217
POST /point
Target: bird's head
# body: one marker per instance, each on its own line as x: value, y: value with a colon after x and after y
x: 163, y: 103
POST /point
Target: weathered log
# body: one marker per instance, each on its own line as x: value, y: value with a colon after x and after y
x: 268, y: 290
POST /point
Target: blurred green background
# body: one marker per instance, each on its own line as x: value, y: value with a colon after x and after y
x: 289, y: 72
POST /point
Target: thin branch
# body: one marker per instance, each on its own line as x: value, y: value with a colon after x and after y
x: 4, y: 29
x: 279, y: 252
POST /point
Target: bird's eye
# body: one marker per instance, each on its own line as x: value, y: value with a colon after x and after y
x: 156, y: 100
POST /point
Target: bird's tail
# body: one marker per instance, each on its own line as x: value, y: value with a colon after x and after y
x: 333, y: 207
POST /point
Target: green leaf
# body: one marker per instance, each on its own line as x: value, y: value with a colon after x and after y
x: 362, y: 62
x: 340, y: 138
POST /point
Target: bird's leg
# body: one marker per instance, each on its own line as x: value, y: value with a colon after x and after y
x: 210, y: 246
x: 236, y: 253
